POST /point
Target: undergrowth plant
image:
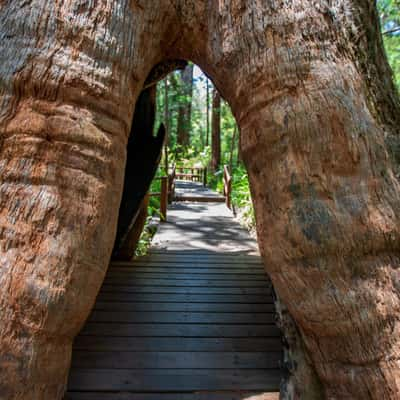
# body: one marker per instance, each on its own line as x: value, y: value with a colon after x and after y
x: 241, y: 196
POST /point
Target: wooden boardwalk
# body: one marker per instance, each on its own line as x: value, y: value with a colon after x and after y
x: 196, y: 192
x: 193, y: 320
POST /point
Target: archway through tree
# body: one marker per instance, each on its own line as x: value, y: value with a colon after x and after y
x: 196, y: 314
x: 311, y: 90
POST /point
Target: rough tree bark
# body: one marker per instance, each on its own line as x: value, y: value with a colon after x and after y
x: 185, y: 108
x: 216, y: 131
x: 311, y: 90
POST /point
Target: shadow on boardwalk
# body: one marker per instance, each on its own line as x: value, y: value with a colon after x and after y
x: 195, y: 226
x: 193, y: 320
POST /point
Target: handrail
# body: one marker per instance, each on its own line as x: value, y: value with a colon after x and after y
x: 163, y: 195
x: 227, y: 187
x: 190, y: 173
x: 164, y: 199
x: 168, y: 184
x: 171, y: 184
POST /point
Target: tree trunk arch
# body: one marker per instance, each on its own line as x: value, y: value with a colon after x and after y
x: 309, y: 85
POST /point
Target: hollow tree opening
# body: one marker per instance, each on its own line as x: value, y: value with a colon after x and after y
x: 143, y: 156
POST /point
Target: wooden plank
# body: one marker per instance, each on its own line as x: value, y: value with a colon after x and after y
x: 202, y: 199
x: 182, y: 282
x: 226, y: 395
x: 211, y: 266
x: 193, y: 344
x: 175, y: 360
x: 189, y: 273
x: 200, y: 251
x: 201, y: 259
x: 185, y: 290
x: 173, y: 380
x: 193, y: 261
x: 165, y: 317
x: 185, y: 298
x: 203, y: 253
x: 182, y: 330
x: 180, y: 325
x: 180, y: 175
x: 188, y: 307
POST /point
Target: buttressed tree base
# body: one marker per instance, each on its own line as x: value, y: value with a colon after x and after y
x: 311, y: 90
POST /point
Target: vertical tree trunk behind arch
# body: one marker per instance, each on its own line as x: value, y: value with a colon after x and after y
x: 216, y: 131
x: 185, y: 107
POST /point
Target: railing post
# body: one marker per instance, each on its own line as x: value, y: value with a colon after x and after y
x: 227, y: 186
x: 164, y: 199
x: 171, y: 185
x: 205, y: 176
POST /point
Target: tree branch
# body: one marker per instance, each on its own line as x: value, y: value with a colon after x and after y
x: 392, y: 30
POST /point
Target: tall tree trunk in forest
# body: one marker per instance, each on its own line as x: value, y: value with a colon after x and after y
x: 310, y: 87
x: 207, y: 112
x: 185, y: 108
x: 167, y: 125
x: 216, y: 131
x: 239, y: 153
x: 233, y: 143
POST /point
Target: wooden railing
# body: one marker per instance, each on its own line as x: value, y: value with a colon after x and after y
x: 171, y: 184
x: 194, y: 174
x: 227, y: 187
x: 167, y: 192
x: 163, y: 195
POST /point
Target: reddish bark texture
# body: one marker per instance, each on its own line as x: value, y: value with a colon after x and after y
x: 309, y: 87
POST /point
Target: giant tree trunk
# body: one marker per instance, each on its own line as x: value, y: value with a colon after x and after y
x: 311, y: 90
x: 216, y: 131
x: 185, y: 107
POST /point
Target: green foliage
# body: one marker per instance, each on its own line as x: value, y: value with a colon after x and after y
x: 241, y: 196
x: 389, y: 12
x: 176, y: 97
x: 191, y: 156
x: 145, y: 239
x: 153, y: 211
x: 197, y: 153
x: 392, y: 47
x: 154, y: 201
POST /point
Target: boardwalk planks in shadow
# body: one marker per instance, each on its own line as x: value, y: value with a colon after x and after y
x: 182, y: 324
